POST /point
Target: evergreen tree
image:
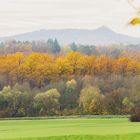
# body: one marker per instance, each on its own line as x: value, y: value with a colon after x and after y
x: 56, y: 47
x: 73, y: 47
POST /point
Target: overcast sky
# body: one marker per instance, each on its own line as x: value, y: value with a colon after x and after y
x: 19, y: 16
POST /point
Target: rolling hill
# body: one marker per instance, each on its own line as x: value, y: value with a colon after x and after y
x: 99, y: 36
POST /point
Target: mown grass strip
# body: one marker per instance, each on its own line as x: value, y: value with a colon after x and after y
x: 67, y: 117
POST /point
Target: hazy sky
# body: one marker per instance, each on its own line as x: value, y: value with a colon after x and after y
x: 19, y: 16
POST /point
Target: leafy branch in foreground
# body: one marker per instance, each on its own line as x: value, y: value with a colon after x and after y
x: 136, y: 20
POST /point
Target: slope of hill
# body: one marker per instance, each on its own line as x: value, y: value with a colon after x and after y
x: 99, y: 36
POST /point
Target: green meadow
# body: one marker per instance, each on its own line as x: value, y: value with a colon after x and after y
x: 70, y: 129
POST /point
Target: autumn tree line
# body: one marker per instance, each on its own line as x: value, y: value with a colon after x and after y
x: 41, y: 84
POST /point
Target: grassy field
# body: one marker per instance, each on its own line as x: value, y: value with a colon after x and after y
x: 70, y: 129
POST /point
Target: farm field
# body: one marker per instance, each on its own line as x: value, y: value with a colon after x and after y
x: 70, y: 129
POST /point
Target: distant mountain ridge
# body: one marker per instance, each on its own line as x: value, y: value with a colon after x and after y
x: 99, y: 36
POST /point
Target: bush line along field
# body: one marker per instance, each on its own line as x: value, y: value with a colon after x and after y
x: 70, y: 129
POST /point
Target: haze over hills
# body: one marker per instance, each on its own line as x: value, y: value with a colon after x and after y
x: 99, y: 36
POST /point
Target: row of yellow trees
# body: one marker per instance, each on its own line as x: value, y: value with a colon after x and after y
x: 39, y: 69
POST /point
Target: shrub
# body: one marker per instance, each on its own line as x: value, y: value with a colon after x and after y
x: 136, y: 116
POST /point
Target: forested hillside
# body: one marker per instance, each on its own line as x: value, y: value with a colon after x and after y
x: 60, y: 83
